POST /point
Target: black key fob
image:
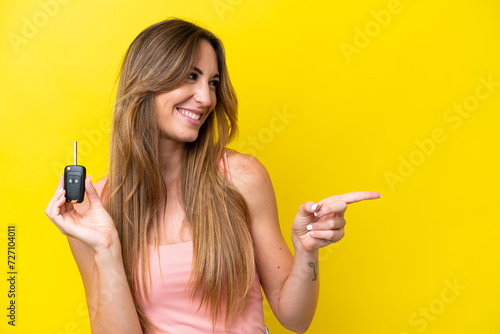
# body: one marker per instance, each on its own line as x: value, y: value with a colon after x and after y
x: 74, y: 182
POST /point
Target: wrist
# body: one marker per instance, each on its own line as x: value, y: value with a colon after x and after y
x: 305, y: 263
x: 110, y: 248
x: 301, y: 250
x: 300, y: 245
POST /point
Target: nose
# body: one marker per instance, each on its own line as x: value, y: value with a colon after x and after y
x: 203, y: 95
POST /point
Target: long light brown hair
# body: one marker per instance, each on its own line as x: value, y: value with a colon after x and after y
x: 159, y: 60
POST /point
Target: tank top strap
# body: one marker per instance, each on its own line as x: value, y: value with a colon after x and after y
x: 224, y: 165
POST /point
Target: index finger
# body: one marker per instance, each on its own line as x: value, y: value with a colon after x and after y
x: 355, y: 196
x: 60, y: 184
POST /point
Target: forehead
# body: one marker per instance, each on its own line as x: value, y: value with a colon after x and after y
x: 207, y: 58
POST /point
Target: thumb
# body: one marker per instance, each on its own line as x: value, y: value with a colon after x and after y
x: 94, y: 200
x: 308, y: 208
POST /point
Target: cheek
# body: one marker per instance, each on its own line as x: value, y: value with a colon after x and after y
x: 164, y: 104
x: 167, y: 100
x: 159, y: 110
x: 160, y: 102
x: 214, y: 101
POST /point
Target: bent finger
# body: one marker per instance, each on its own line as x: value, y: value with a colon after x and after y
x: 328, y: 235
x: 54, y: 203
x: 53, y: 210
x: 60, y: 184
x: 57, y: 194
x: 333, y: 223
x: 307, y: 208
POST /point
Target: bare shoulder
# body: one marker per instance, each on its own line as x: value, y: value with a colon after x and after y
x: 248, y: 173
x: 252, y: 180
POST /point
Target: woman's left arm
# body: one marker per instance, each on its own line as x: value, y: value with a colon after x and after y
x: 291, y: 283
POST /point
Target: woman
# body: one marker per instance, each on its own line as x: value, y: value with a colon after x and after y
x: 181, y: 234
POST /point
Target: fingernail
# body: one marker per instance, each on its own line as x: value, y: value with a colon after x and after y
x: 309, y: 227
x: 314, y: 206
x: 60, y: 190
x: 310, y: 234
x: 315, y: 214
x: 90, y: 177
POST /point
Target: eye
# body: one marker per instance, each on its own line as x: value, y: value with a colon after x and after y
x: 214, y: 83
x: 193, y: 76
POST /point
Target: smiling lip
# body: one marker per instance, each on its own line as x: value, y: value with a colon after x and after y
x: 193, y: 116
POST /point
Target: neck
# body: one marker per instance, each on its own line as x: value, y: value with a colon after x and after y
x: 171, y: 154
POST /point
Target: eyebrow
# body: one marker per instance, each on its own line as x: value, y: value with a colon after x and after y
x: 201, y: 73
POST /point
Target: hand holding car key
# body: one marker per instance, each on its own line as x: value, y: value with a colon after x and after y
x: 88, y: 222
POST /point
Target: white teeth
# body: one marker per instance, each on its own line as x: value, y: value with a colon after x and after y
x: 190, y: 114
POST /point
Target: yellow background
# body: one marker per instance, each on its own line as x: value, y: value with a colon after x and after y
x: 322, y: 120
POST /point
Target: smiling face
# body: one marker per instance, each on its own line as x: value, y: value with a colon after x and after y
x: 181, y: 112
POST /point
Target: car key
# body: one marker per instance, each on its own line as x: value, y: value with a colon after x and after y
x: 74, y: 182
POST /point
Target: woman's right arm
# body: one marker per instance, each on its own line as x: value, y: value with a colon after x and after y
x: 96, y: 248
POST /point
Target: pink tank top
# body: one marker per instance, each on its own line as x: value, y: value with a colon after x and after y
x: 169, y: 306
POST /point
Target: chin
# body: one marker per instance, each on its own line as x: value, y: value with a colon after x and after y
x: 189, y: 138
